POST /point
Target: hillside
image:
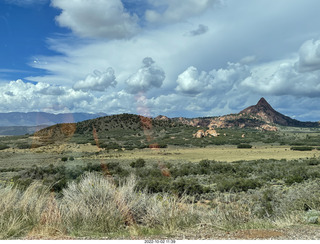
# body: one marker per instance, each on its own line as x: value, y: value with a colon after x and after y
x: 134, y: 131
x: 260, y: 116
x: 116, y: 130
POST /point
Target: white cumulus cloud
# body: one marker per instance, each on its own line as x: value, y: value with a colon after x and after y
x: 282, y: 78
x: 147, y: 77
x: 20, y: 96
x: 299, y: 77
x: 190, y: 81
x: 98, y: 81
x: 97, y: 18
x: 217, y: 81
x: 309, y: 56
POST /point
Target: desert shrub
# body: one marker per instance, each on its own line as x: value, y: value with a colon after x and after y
x: 185, y: 170
x: 267, y: 203
x: 154, y: 184
x: 142, y: 146
x: 95, y: 204
x: 223, y: 168
x: 188, y: 186
x: 243, y: 145
x: 205, y: 163
x: 92, y: 167
x: 147, y: 172
x: 71, y: 158
x: 277, y: 202
x: 90, y: 205
x: 64, y: 159
x: 3, y: 146
x: 59, y: 185
x: 116, y: 170
x: 237, y: 185
x: 313, y: 161
x: 110, y: 145
x: 139, y: 163
x: 301, y: 148
x: 296, y: 178
x: 24, y: 146
x: 296, y: 175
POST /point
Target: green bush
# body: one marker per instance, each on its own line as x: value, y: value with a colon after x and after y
x: 64, y: 159
x: 301, y: 148
x: 139, y: 163
x: 2, y: 147
x: 313, y: 161
x: 237, y: 185
x: 24, y: 146
x: 243, y: 145
x: 312, y: 217
x: 189, y: 186
x: 154, y: 184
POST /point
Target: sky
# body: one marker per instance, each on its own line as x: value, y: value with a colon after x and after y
x: 190, y: 58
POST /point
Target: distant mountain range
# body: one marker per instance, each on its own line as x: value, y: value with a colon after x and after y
x: 19, y: 130
x: 27, y: 123
x: 41, y: 118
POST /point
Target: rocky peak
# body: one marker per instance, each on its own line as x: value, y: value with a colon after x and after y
x: 263, y: 110
x: 263, y: 104
x: 162, y: 117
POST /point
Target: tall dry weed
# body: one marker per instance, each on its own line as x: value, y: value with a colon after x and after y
x: 21, y: 211
x: 96, y: 204
x: 50, y: 225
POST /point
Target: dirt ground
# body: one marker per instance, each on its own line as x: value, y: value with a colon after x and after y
x: 310, y: 232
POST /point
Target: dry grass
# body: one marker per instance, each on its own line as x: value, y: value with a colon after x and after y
x: 95, y: 206
x: 218, y: 153
x: 20, y: 211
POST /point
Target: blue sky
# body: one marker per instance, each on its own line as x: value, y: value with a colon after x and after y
x: 24, y: 30
x: 172, y: 57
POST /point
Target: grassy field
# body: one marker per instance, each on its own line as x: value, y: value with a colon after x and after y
x: 218, y: 153
x: 42, y: 156
x: 78, y: 190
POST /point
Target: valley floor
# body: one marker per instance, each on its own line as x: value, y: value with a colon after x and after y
x: 220, y: 153
x: 238, y: 195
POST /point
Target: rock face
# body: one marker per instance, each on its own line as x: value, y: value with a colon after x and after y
x: 268, y: 127
x: 162, y: 117
x: 211, y: 132
x: 199, y: 134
